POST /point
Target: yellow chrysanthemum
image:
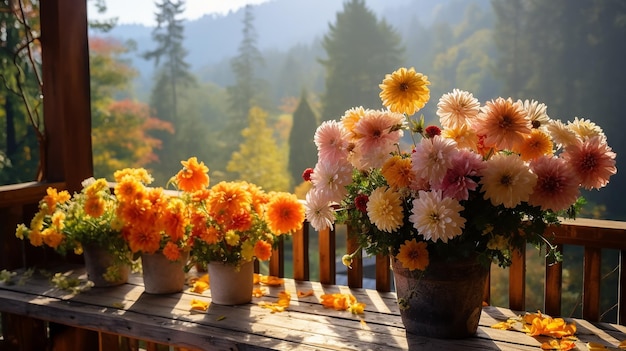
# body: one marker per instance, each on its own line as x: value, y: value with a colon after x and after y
x: 138, y: 174
x: 463, y: 136
x: 58, y: 219
x: 96, y: 186
x: 128, y: 188
x: 351, y: 117
x: 413, y: 255
x: 384, y: 209
x: 405, y: 91
x: 535, y: 144
x: 397, y: 172
x: 231, y: 238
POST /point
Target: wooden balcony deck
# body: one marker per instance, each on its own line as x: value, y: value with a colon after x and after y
x: 125, y: 313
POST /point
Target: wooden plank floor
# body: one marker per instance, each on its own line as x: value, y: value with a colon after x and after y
x: 306, y: 325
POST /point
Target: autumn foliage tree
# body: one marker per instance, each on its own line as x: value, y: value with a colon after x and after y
x: 259, y: 159
x: 120, y: 129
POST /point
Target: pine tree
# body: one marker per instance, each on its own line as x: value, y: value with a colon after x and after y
x: 171, y: 79
x: 169, y: 36
x: 259, y: 159
x: 302, y: 150
x: 360, y: 50
x: 245, y: 92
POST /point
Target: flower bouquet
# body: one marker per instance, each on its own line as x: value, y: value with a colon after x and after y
x: 85, y: 222
x: 485, y: 183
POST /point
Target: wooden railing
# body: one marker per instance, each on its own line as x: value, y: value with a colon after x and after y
x: 18, y: 204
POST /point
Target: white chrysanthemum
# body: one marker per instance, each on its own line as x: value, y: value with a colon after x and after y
x: 437, y: 218
x: 536, y: 113
x: 561, y: 135
x: 318, y: 211
x: 457, y: 108
x: 330, y: 180
x: 507, y: 180
x: 433, y: 157
x: 384, y: 209
x: 586, y: 129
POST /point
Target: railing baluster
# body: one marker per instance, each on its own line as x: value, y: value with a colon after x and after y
x: 517, y: 281
x: 383, y: 273
x: 355, y: 275
x: 277, y: 260
x: 591, y: 283
x: 301, y: 253
x: 327, y: 256
x: 621, y: 292
x: 553, y: 286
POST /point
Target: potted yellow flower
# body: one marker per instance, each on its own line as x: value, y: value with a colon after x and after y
x: 234, y: 223
x: 454, y: 198
x: 85, y: 222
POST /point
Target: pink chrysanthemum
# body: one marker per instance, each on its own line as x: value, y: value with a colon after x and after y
x: 504, y: 123
x: 331, y: 139
x: 557, y: 184
x: 457, y: 108
x: 458, y: 180
x: 507, y: 180
x: 437, y: 217
x: 330, y: 180
x: 433, y: 157
x: 592, y: 160
x: 318, y: 211
x: 377, y: 134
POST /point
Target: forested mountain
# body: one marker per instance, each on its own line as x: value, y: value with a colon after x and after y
x: 524, y: 49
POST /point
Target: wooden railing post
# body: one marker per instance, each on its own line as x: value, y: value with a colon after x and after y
x: 301, y: 253
x: 517, y: 281
x: 554, y: 286
x: 327, y: 256
x: 355, y: 275
x: 591, y: 283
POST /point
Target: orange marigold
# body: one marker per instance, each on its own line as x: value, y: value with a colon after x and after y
x: 194, y: 176
x: 171, y: 251
x: 263, y: 250
x: 94, y: 206
x: 413, y: 255
x: 284, y: 213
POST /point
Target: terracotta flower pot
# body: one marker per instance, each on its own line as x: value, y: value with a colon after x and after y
x: 162, y: 276
x: 231, y: 285
x: 102, y: 267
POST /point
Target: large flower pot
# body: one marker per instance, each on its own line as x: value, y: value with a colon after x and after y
x: 445, y: 302
x: 230, y: 284
x: 103, y: 268
x: 162, y: 276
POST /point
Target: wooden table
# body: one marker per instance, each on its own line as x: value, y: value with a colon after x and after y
x: 306, y: 325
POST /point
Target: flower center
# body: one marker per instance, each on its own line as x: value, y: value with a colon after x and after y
x: 505, y: 122
x: 404, y: 87
x: 588, y: 162
x: 506, y: 180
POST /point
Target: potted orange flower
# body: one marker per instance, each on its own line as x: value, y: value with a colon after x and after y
x: 232, y: 224
x: 156, y: 226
